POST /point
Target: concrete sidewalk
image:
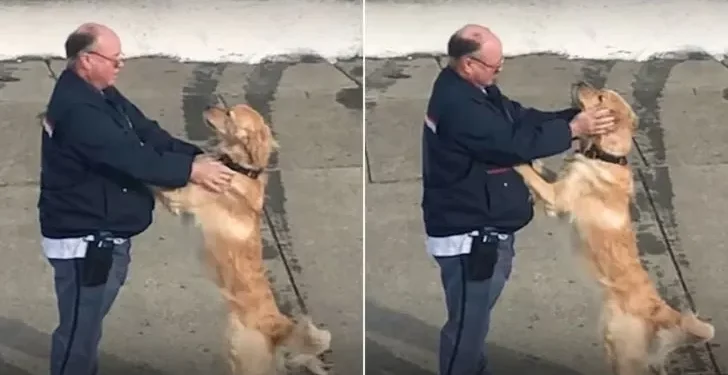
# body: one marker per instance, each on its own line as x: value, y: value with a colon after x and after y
x: 168, y: 319
x: 545, y: 322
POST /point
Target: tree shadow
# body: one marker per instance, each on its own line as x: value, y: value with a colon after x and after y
x: 418, y: 334
x: 19, y: 336
x: 10, y: 369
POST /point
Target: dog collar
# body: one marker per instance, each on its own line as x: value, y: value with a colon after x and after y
x: 594, y: 152
x: 248, y: 171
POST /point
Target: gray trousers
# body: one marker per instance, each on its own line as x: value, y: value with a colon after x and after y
x: 469, y: 304
x: 81, y: 310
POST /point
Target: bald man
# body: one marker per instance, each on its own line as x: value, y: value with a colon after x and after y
x: 473, y: 201
x: 99, y: 154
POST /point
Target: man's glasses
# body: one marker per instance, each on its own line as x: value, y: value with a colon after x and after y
x: 116, y: 61
x: 497, y: 68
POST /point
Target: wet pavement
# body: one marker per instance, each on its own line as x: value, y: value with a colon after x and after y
x: 169, y: 317
x: 546, y: 320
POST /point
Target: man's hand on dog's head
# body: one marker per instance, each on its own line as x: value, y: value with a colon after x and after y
x: 592, y: 121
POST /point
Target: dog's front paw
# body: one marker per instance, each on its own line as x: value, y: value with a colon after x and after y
x: 537, y: 166
x: 175, y: 208
x: 311, y: 363
x: 550, y: 210
x: 172, y: 205
x: 317, y: 367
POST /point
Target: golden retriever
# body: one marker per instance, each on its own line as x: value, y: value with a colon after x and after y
x: 595, y: 189
x: 259, y: 335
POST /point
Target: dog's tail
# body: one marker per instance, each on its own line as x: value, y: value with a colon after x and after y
x: 305, y: 343
x: 687, y: 329
x: 699, y: 330
x: 685, y: 326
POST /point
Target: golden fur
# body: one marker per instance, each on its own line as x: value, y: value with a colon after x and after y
x: 639, y: 328
x: 258, y: 333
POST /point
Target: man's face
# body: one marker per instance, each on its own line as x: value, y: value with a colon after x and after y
x: 104, y: 62
x: 483, y: 67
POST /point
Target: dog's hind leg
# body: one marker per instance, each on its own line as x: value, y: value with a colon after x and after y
x: 626, y: 338
x: 249, y: 352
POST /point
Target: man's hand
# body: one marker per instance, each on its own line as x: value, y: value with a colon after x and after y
x: 210, y: 173
x: 592, y: 121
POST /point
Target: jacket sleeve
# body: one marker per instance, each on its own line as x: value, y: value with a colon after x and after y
x: 531, y: 114
x: 489, y: 138
x: 149, y: 131
x: 95, y: 136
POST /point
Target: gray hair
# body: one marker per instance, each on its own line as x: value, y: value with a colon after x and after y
x: 459, y: 46
x: 79, y: 41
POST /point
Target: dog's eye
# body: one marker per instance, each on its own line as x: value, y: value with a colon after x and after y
x: 601, y: 98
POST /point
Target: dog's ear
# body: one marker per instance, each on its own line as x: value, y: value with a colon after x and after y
x: 635, y: 120
x: 233, y: 126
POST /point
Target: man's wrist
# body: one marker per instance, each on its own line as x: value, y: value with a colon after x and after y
x: 572, y: 129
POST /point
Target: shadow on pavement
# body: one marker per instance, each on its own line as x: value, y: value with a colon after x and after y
x: 9, y: 369
x: 381, y: 361
x: 21, y: 337
x: 418, y: 334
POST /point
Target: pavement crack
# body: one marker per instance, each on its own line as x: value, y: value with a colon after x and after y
x: 325, y: 167
x: 724, y: 61
x: 50, y: 69
x: 663, y: 231
x: 260, y: 89
x: 348, y: 75
x: 289, y: 270
x: 19, y: 183
x: 649, y: 143
x: 396, y: 181
x: 438, y: 60
x: 368, y: 166
x: 196, y: 95
x: 671, y: 252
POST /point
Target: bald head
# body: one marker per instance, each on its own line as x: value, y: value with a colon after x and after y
x: 87, y: 37
x: 471, y: 39
x: 476, y: 53
x: 94, y: 53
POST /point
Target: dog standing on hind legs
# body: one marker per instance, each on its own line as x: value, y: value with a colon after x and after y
x: 595, y: 189
x: 258, y: 335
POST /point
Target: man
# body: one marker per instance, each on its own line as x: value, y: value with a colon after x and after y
x: 99, y: 153
x: 473, y: 201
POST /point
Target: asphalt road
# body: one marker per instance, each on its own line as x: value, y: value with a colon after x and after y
x: 168, y: 318
x: 546, y: 320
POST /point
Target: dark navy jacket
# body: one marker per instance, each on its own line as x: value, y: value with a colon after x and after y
x: 96, y: 166
x: 466, y: 162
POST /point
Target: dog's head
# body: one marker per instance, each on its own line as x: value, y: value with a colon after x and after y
x: 243, y: 133
x: 618, y: 142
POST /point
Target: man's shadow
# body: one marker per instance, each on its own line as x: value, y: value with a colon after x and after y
x: 9, y: 369
x: 21, y: 337
x: 418, y: 334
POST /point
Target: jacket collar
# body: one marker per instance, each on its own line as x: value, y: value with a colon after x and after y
x: 84, y: 90
x: 76, y: 89
x: 478, y: 93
